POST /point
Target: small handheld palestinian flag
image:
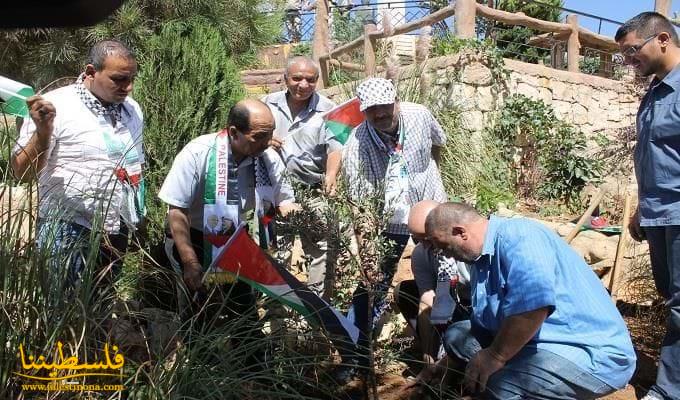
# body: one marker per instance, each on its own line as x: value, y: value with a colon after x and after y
x: 14, y: 95
x: 243, y: 258
x: 342, y: 119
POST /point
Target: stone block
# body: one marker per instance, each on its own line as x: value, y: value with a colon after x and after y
x: 473, y: 120
x: 562, y: 91
x: 614, y: 113
x: 562, y: 109
x: 545, y: 94
x: 476, y: 74
x: 579, y: 114
x: 527, y: 90
x: 485, y: 99
x: 627, y: 98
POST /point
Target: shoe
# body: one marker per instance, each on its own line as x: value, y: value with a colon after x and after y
x: 651, y: 396
x: 598, y: 222
x: 346, y: 373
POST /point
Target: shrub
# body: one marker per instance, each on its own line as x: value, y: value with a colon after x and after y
x: 548, y: 155
x: 186, y: 86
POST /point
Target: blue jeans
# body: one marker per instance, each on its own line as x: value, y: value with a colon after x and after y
x: 358, y: 311
x: 664, y: 252
x: 530, y: 374
x: 69, y: 244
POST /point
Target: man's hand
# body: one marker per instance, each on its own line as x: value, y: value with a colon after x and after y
x: 634, y: 227
x: 484, y: 364
x: 285, y: 209
x: 276, y: 143
x: 430, y: 375
x: 43, y: 113
x: 330, y: 185
x: 193, y: 274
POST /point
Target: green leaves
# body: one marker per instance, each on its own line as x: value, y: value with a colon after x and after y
x: 553, y: 161
x: 186, y: 86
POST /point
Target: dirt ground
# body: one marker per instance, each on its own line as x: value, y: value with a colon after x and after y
x: 391, y: 383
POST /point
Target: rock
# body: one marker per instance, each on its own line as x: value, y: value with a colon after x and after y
x: 472, y: 120
x: 485, y: 99
x: 579, y: 114
x: 562, y: 91
x: 545, y: 95
x: 527, y: 90
x: 614, y: 113
x: 592, y: 250
x: 562, y: 109
x: 393, y: 328
x: 476, y: 74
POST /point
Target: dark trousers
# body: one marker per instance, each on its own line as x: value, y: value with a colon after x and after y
x: 71, y: 244
x: 358, y: 312
x: 664, y: 251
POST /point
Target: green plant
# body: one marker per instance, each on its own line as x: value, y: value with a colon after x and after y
x: 347, y: 26
x: 485, y: 50
x: 301, y: 49
x: 589, y: 64
x: 186, y: 89
x: 548, y: 155
x: 39, y: 56
x: 513, y: 40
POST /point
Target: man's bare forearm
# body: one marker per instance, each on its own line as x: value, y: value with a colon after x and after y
x: 178, y: 221
x: 333, y: 163
x: 27, y: 162
x: 516, y: 331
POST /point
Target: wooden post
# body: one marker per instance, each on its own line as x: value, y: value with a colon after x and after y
x: 323, y: 82
x: 616, y: 274
x: 369, y: 49
x: 605, y: 68
x: 464, y: 22
x: 573, y: 45
x: 320, y: 39
x: 663, y: 7
x: 557, y: 56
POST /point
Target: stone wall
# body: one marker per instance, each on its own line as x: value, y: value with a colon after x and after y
x: 594, y: 104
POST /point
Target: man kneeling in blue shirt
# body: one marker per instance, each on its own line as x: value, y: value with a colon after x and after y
x: 542, y: 325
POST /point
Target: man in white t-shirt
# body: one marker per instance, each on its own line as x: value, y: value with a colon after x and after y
x: 83, y: 142
x: 248, y: 168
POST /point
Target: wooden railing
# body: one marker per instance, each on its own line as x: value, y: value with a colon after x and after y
x: 466, y: 12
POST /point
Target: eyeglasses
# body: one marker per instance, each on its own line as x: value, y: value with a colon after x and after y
x: 633, y: 50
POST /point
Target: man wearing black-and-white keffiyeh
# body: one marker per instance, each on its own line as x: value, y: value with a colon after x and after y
x: 393, y: 153
x: 83, y: 142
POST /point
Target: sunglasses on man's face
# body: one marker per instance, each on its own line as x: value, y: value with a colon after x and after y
x: 633, y: 50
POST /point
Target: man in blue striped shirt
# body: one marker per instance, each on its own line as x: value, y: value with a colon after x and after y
x: 542, y: 325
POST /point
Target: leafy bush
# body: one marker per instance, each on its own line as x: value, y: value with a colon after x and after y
x: 513, y: 40
x: 186, y: 88
x: 39, y: 56
x: 550, y: 159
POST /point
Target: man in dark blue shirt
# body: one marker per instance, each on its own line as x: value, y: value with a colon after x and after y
x: 650, y: 44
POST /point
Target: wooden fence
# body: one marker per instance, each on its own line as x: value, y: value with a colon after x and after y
x: 466, y: 12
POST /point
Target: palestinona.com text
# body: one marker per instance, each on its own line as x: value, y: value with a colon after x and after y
x: 69, y: 387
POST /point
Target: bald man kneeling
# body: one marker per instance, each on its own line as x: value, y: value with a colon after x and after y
x: 439, y: 293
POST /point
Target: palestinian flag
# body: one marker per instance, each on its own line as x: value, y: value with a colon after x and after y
x: 342, y: 119
x: 243, y: 258
x: 14, y: 95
